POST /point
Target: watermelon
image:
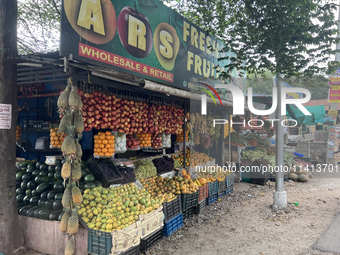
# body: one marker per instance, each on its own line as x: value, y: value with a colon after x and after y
x: 43, y: 173
x: 42, y: 202
x: 31, y: 166
x: 89, y: 185
x: 45, y: 213
x: 36, y: 213
x: 31, y: 185
x: 19, y: 175
x: 34, y: 200
x: 20, y: 198
x: 51, y: 168
x: 54, y: 215
x: 57, y: 162
x: 30, y: 212
x: 28, y: 192
x: 57, y: 205
x: 27, y: 177
x: 58, y: 196
x: 23, y: 210
x: 44, y: 194
x: 19, y: 191
x: 89, y: 178
x: 35, y: 172
x: 41, y: 179
x: 51, y: 195
x: 58, y: 187
x: 23, y: 185
x: 49, y: 204
x: 43, y: 187
x: 57, y: 175
x: 38, y: 164
x: 26, y: 199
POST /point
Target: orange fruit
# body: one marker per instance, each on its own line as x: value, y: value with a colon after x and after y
x: 102, y: 137
x: 107, y: 146
x: 96, y: 137
x: 101, y: 146
x: 104, y: 150
x: 108, y: 137
x: 107, y: 133
x: 105, y: 142
x: 96, y: 145
x: 98, y: 141
x: 108, y: 154
x: 101, y: 154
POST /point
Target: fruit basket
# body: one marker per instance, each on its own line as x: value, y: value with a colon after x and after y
x: 150, y: 240
x: 203, y: 192
x: 171, y: 226
x: 120, y: 142
x: 105, y: 171
x: 172, y: 208
x: 189, y: 200
x: 221, y: 194
x: 213, y: 188
x: 230, y: 189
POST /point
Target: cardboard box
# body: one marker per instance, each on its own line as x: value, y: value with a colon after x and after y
x: 126, y: 238
x: 152, y: 221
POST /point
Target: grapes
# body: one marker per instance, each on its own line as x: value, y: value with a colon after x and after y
x: 128, y: 175
x: 107, y: 169
x: 164, y: 164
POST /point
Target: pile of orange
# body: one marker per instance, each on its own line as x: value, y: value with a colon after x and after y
x: 144, y: 140
x: 56, y: 138
x: 18, y: 134
x: 104, y: 144
x: 180, y: 137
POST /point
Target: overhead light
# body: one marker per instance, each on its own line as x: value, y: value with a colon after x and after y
x: 30, y: 64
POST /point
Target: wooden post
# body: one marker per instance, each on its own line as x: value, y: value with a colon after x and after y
x: 11, y: 236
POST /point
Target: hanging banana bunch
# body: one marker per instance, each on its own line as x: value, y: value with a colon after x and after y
x: 71, y: 124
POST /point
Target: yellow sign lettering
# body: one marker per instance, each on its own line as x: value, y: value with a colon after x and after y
x: 90, y: 14
x: 186, y: 28
x: 166, y: 49
x: 137, y: 32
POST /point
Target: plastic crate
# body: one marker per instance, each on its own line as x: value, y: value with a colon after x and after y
x: 99, y: 242
x: 189, y: 200
x: 211, y: 199
x: 150, y: 240
x: 132, y: 251
x: 201, y: 206
x: 213, y: 188
x: 222, y: 187
x: 203, y: 192
x: 189, y: 213
x: 100, y: 175
x: 230, y: 189
x: 171, y: 209
x: 219, y: 195
x: 172, y: 225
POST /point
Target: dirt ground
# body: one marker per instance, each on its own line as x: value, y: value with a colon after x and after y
x: 243, y: 222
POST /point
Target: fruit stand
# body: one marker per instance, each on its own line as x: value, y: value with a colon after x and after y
x: 115, y: 152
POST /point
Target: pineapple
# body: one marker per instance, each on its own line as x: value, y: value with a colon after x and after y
x: 79, y: 151
x: 73, y: 222
x: 65, y: 123
x: 69, y: 146
x: 66, y: 171
x: 70, y: 247
x: 79, y: 123
x: 66, y: 200
x: 74, y: 100
x: 64, y: 220
x: 76, y: 170
x: 63, y: 99
x: 77, y: 198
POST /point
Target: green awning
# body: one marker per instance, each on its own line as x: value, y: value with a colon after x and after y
x: 317, y: 111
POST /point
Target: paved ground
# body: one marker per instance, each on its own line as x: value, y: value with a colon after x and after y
x: 329, y: 241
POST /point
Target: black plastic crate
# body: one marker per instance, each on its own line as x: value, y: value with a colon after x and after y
x: 213, y: 188
x: 189, y: 200
x: 222, y: 187
x: 201, y: 206
x: 211, y: 199
x: 150, y: 240
x: 102, y: 176
x: 172, y: 225
x: 171, y: 209
x: 189, y: 213
x: 132, y: 251
x: 99, y: 242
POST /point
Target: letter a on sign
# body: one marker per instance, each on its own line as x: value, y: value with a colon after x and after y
x: 91, y: 14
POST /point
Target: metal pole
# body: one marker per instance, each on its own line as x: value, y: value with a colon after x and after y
x: 309, y: 141
x: 279, y: 139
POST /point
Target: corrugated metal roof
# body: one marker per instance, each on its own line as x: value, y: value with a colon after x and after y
x: 320, y: 102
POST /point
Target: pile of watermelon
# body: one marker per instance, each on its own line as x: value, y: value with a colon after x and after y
x: 40, y: 189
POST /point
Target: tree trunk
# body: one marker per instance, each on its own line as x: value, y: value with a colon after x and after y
x: 11, y: 236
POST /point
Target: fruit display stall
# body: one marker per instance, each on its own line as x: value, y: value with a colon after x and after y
x: 120, y: 141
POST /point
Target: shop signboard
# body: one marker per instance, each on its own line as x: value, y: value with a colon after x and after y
x: 146, y: 39
x: 5, y: 116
